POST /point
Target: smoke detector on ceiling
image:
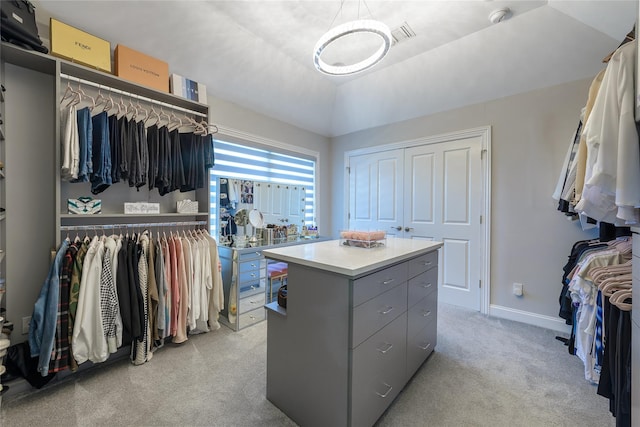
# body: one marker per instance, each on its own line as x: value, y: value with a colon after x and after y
x: 499, y: 15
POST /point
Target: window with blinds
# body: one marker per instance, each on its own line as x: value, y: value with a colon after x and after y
x: 254, y: 164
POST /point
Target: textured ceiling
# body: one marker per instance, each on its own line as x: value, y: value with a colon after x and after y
x: 258, y: 54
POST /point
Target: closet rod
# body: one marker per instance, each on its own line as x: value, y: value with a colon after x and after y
x: 141, y: 225
x: 131, y: 95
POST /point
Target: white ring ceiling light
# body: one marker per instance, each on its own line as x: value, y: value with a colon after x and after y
x: 360, y: 26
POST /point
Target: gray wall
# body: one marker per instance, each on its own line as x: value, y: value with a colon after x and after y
x: 29, y: 151
x: 229, y: 115
x: 530, y: 240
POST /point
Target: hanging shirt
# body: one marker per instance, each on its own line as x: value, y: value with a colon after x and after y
x: 101, y: 154
x: 42, y: 327
x: 85, y: 141
x: 60, y: 357
x: 612, y: 179
x: 89, y: 342
x: 70, y: 143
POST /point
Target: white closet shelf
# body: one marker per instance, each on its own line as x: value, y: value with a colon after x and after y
x: 121, y: 215
x: 51, y: 65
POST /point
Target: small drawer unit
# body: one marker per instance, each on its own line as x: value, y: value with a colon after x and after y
x: 244, y: 282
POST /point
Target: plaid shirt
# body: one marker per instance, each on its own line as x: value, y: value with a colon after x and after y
x: 74, y: 292
x: 60, y: 353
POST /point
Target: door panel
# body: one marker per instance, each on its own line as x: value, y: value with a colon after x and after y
x: 375, y: 188
x: 455, y: 264
x: 421, y: 198
x: 432, y: 192
x: 456, y: 186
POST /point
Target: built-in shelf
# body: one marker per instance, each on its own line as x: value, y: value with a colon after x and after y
x: 121, y: 215
x: 48, y: 64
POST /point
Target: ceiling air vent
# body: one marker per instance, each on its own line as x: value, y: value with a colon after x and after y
x: 402, y: 33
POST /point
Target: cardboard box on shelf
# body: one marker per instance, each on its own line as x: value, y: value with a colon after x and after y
x: 78, y: 46
x: 189, y: 89
x: 141, y: 68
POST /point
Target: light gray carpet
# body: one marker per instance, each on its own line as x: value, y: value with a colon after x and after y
x: 484, y: 372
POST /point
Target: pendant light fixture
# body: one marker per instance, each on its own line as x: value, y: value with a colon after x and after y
x: 368, y: 26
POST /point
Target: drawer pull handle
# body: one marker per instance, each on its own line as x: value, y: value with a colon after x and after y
x: 386, y: 350
x: 253, y: 265
x: 426, y: 347
x: 387, y: 311
x: 426, y: 263
x: 254, y: 302
x: 426, y: 313
x: 386, y: 282
x: 253, y: 274
x: 426, y: 285
x: 253, y: 287
x: 258, y: 253
x: 388, y: 391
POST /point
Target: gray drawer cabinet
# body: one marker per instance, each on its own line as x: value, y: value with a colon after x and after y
x: 346, y: 346
x: 244, y: 282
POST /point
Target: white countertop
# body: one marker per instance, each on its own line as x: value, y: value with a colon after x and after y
x: 351, y: 261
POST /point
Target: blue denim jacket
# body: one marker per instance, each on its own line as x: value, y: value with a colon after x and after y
x: 42, y: 328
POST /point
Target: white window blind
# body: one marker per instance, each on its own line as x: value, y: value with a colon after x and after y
x: 248, y: 163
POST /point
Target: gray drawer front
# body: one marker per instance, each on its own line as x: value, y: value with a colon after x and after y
x: 378, y: 375
x: 370, y: 286
x: 249, y: 255
x: 422, y: 313
x: 422, y: 263
x: 420, y: 345
x: 251, y: 276
x: 252, y: 265
x: 422, y: 285
x: 370, y: 317
x: 251, y: 317
x: 251, y: 303
x: 251, y: 288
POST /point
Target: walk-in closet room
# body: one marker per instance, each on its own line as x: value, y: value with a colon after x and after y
x: 319, y: 213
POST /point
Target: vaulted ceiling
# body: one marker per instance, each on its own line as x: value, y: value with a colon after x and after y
x: 258, y: 54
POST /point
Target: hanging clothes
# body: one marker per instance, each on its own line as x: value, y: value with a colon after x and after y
x: 612, y: 178
x: 42, y: 327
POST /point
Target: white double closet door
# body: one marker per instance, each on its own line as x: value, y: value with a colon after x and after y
x: 432, y: 192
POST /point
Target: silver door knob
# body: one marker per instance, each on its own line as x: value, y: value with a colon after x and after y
x: 397, y: 228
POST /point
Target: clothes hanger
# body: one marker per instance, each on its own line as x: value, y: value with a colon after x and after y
x: 87, y: 97
x: 162, y: 116
x: 70, y: 95
x: 101, y: 99
x: 618, y: 299
x: 141, y: 110
x: 175, y: 122
x: 153, y: 114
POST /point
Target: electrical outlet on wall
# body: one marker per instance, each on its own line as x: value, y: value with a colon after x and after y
x: 518, y: 289
x: 25, y: 325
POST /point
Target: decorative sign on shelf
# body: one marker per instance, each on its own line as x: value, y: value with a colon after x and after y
x: 141, y: 208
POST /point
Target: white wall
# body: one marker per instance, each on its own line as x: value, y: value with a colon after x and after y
x: 530, y: 239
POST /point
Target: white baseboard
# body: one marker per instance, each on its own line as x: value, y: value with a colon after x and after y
x: 548, y: 322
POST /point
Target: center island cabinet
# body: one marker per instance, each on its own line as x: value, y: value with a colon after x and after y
x: 359, y: 322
